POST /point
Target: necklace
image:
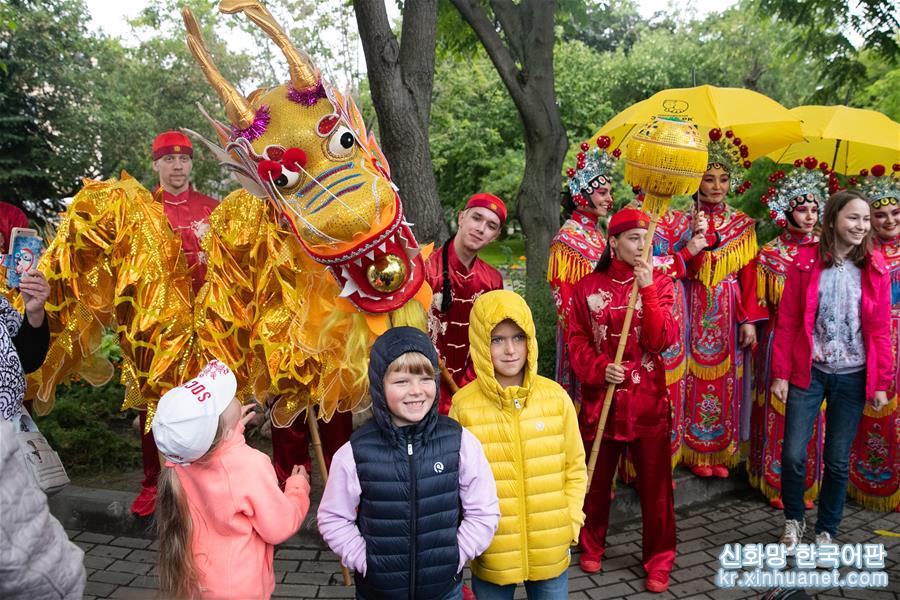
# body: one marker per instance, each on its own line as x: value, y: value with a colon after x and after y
x: 839, y: 264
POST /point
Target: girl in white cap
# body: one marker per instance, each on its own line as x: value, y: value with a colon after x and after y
x: 220, y: 511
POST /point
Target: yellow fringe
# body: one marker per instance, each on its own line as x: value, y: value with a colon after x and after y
x: 676, y: 458
x: 727, y: 457
x: 771, y: 493
x: 879, y: 503
x: 885, y: 410
x: 729, y: 259
x: 565, y: 264
x: 769, y: 286
x: 674, y: 375
x: 709, y: 373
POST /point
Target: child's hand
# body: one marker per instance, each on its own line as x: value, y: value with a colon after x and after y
x: 248, y: 413
x: 300, y: 470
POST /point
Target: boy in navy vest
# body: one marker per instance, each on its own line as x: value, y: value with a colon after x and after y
x: 411, y: 497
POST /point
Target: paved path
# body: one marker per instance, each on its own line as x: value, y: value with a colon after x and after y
x: 124, y: 567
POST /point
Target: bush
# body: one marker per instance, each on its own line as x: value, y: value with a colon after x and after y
x: 543, y: 309
x: 89, y: 431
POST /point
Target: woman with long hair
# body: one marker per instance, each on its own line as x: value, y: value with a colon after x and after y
x: 832, y: 340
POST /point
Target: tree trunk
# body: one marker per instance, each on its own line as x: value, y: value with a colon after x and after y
x: 401, y: 76
x: 523, y: 58
x: 524, y: 61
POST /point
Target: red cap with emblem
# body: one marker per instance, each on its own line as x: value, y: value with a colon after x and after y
x: 490, y: 202
x: 628, y: 218
x: 172, y: 142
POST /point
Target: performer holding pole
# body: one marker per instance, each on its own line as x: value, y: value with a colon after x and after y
x: 640, y: 412
x: 666, y: 157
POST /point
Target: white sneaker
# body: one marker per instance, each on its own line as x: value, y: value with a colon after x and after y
x: 793, y: 534
x: 823, y: 537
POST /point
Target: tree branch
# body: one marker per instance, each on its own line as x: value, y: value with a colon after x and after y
x: 472, y: 12
x: 510, y: 19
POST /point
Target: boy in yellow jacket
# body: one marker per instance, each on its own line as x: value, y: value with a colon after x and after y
x: 529, y: 431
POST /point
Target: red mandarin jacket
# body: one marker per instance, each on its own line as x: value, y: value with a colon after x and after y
x: 188, y: 215
x: 600, y: 300
x: 450, y: 331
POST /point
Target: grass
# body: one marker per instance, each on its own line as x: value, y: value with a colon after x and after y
x: 503, y: 253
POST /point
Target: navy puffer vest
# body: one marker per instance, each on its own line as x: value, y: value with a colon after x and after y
x: 409, y: 511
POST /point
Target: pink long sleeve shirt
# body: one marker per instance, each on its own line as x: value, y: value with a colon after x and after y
x: 477, y: 495
x: 239, y: 514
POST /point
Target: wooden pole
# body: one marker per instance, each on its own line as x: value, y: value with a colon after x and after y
x: 620, y: 350
x: 448, y: 378
x: 320, y: 458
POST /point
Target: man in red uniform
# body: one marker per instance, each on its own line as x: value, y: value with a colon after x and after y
x: 187, y: 212
x: 639, y: 414
x: 458, y: 277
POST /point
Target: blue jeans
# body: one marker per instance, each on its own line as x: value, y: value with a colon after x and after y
x: 846, y: 399
x: 545, y: 589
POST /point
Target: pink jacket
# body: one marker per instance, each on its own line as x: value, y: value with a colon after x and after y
x: 238, y: 515
x: 477, y: 496
x: 792, y: 347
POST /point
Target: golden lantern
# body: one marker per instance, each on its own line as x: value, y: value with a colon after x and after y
x: 667, y: 157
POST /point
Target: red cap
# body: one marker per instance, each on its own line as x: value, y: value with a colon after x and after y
x: 172, y: 142
x: 490, y: 202
x: 628, y: 218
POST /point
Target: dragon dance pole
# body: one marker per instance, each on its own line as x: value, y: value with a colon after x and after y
x: 666, y: 157
x: 320, y: 458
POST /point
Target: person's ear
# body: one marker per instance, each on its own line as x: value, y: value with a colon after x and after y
x: 156, y: 166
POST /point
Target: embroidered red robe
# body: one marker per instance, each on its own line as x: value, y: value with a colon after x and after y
x: 767, y: 413
x: 875, y: 454
x: 721, y: 297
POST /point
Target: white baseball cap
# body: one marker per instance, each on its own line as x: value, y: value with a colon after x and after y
x: 187, y: 417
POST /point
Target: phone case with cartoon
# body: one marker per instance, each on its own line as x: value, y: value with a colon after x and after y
x: 24, y: 256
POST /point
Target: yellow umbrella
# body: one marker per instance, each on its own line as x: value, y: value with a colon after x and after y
x: 848, y: 139
x: 763, y: 124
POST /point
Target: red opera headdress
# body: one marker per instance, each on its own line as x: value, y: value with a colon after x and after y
x: 592, y: 169
x: 731, y: 154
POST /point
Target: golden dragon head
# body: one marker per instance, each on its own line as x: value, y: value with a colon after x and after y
x: 304, y: 146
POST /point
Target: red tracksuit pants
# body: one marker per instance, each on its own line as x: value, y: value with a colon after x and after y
x: 149, y: 455
x: 290, y: 445
x: 652, y: 462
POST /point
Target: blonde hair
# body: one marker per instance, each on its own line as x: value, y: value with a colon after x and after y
x: 415, y: 363
x: 177, y: 576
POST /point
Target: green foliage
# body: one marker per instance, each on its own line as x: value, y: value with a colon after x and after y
x: 89, y: 431
x: 543, y: 309
x: 46, y: 57
x: 831, y: 28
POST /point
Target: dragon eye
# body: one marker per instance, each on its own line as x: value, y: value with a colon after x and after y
x: 340, y: 143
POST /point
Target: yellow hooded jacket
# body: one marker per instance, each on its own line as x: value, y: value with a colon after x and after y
x: 531, y: 439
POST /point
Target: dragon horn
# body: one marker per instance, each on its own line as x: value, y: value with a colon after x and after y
x: 304, y: 74
x: 237, y: 108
